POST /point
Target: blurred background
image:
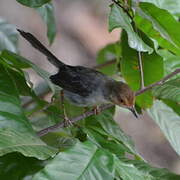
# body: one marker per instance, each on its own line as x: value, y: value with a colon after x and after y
x: 82, y: 30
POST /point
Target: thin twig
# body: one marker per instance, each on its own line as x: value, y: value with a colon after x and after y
x: 158, y: 82
x: 141, y: 70
x: 73, y: 120
x: 105, y: 64
x: 104, y: 107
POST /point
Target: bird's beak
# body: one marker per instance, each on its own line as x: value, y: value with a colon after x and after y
x: 133, y: 110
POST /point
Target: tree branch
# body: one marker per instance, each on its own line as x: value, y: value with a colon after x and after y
x: 103, y: 107
x: 158, y: 82
x: 73, y: 120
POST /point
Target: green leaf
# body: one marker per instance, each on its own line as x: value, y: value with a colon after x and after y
x: 21, y: 61
x: 107, y: 123
x: 148, y: 172
x: 169, y: 90
x: 130, y: 71
x: 109, y: 53
x: 8, y: 36
x: 16, y: 133
x: 168, y: 121
x: 146, y: 26
x: 171, y: 6
x: 33, y: 3
x: 128, y: 171
x: 16, y: 166
x: 118, y: 18
x: 167, y: 26
x: 83, y: 161
x: 47, y: 14
x: 171, y: 62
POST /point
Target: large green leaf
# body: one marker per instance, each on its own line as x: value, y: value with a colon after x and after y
x: 16, y: 166
x: 33, y: 3
x: 118, y: 18
x: 146, y: 171
x: 8, y: 36
x: 171, y: 62
x: 47, y: 13
x: 152, y: 70
x: 21, y: 62
x: 171, y: 6
x: 167, y: 26
x: 168, y: 121
x: 128, y: 171
x: 83, y: 161
x: 111, y: 128
x: 147, y: 27
x: 16, y: 133
x: 169, y: 90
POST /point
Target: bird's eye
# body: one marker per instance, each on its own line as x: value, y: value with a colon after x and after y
x: 121, y: 101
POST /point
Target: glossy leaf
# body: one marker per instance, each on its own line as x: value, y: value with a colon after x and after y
x: 168, y: 121
x: 130, y: 71
x: 167, y: 26
x: 83, y: 161
x: 8, y: 36
x: 16, y: 133
x: 171, y: 6
x: 147, y: 27
x: 47, y: 13
x: 128, y: 171
x: 21, y: 61
x: 171, y: 62
x: 169, y: 90
x: 148, y: 172
x: 33, y: 3
x: 107, y: 123
x: 118, y: 18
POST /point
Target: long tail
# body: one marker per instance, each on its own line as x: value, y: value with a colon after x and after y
x: 39, y: 46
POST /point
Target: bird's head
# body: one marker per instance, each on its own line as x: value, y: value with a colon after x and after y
x: 122, y: 95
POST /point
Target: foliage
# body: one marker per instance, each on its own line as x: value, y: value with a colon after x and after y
x: 97, y: 147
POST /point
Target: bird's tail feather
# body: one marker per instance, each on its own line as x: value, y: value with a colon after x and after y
x: 39, y: 46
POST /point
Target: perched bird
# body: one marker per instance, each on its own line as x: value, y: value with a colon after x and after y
x: 85, y: 86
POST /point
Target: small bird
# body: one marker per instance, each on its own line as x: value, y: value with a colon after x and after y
x: 84, y: 86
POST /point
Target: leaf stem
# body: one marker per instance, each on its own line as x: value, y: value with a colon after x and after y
x: 103, y: 107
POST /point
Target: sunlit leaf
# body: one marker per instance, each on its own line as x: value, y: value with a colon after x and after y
x: 169, y: 90
x: 83, y: 161
x: 131, y: 73
x: 16, y: 133
x: 171, y: 6
x: 168, y: 121
x: 166, y: 26
x: 118, y: 18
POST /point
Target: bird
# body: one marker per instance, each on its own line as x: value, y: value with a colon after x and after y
x: 83, y: 86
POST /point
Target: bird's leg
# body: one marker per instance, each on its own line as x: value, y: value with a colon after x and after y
x: 65, y: 117
x: 96, y: 110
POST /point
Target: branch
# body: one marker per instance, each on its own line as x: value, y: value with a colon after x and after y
x: 73, y: 120
x: 158, y: 82
x: 103, y: 107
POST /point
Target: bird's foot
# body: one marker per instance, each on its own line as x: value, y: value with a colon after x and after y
x: 67, y: 122
x: 96, y: 110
